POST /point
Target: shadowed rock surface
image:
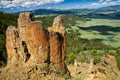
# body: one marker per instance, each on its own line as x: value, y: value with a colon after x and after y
x: 34, y: 52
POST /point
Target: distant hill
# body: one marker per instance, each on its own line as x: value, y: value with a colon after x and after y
x: 104, y: 15
x: 110, y: 8
x: 109, y: 12
x: 60, y: 11
x: 49, y: 11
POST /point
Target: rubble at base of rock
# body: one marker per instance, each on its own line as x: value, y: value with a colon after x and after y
x: 107, y: 69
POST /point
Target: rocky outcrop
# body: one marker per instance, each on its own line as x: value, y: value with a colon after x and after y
x: 58, y: 43
x: 107, y: 69
x: 32, y: 45
x: 36, y: 39
x: 11, y: 44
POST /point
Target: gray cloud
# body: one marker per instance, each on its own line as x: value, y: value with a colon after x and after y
x: 101, y: 3
x: 26, y: 3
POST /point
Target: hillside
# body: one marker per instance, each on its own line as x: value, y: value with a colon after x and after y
x: 70, y: 20
x: 27, y: 43
x: 5, y: 21
x: 110, y: 8
x: 109, y: 12
x: 104, y: 15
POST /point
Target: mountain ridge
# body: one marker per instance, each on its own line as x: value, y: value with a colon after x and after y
x: 109, y: 12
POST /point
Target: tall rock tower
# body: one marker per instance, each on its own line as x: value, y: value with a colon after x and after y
x: 30, y: 45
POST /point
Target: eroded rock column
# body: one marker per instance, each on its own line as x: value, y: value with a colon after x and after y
x: 12, y: 45
x: 58, y: 45
x: 34, y: 36
x: 32, y: 45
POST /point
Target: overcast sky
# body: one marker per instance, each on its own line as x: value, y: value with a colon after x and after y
x: 17, y: 5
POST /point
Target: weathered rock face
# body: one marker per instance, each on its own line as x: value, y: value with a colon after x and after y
x: 31, y: 44
x: 58, y: 26
x: 11, y: 44
x: 110, y: 62
x: 108, y: 69
x: 58, y: 43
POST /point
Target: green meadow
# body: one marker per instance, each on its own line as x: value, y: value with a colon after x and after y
x: 103, y: 30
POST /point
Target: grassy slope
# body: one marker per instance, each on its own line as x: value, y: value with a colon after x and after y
x: 104, y: 30
x: 96, y: 22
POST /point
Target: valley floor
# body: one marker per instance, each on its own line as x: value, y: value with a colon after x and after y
x: 102, y: 30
